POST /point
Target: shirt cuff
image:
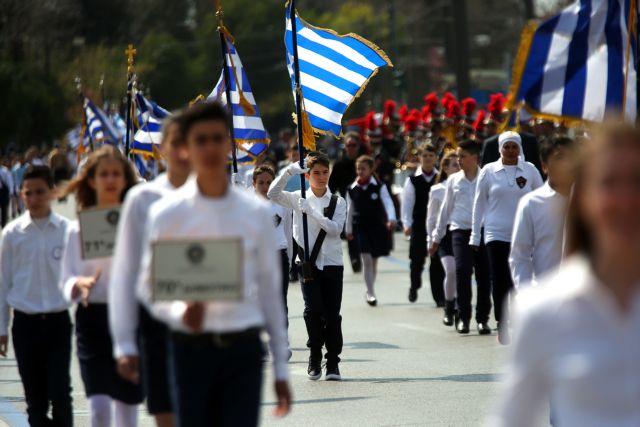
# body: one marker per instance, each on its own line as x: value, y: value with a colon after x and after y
x: 474, y: 240
x: 280, y: 370
x: 125, y: 348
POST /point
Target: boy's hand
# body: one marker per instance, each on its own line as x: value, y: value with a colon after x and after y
x: 295, y: 169
x: 306, y: 208
x: 284, y: 398
x: 4, y: 345
x: 433, y: 249
x: 391, y: 225
x: 349, y: 236
x: 193, y: 316
x: 407, y: 231
x: 84, y: 285
x: 128, y: 368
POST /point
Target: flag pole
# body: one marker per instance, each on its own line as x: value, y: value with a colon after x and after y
x: 298, y: 90
x: 83, y: 126
x: 227, y: 88
x: 131, y: 53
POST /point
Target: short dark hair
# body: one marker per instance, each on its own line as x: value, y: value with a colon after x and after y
x: 367, y: 160
x: 202, y: 111
x: 317, y: 158
x: 471, y: 147
x: 263, y: 169
x: 39, y: 172
x: 427, y: 147
x: 352, y: 135
x: 549, y: 144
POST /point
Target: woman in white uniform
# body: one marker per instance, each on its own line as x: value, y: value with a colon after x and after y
x: 577, y: 337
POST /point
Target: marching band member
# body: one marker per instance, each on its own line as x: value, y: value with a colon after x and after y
x: 371, y: 218
x: 538, y: 231
x: 500, y: 186
x: 101, y: 183
x: 326, y: 214
x: 415, y: 197
x: 30, y: 252
x: 215, y: 350
x: 448, y: 166
x: 456, y: 212
x: 139, y: 340
x: 575, y: 338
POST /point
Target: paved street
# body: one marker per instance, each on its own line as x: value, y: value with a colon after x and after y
x: 400, y: 366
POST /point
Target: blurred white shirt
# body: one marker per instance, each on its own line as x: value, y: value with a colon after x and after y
x: 574, y: 347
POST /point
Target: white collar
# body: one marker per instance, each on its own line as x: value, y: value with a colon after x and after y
x: 501, y: 166
x: 372, y: 180
x: 26, y: 220
x: 419, y: 172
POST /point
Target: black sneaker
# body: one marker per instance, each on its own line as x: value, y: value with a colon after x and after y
x: 315, y: 367
x: 484, y: 328
x: 413, y: 295
x: 333, y: 372
x: 449, y: 313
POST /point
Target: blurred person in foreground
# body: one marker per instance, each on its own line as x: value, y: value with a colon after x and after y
x: 576, y: 339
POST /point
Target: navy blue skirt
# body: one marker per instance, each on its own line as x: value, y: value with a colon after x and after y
x: 446, y: 245
x: 373, y: 239
x: 95, y: 354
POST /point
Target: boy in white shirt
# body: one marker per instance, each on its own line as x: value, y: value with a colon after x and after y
x: 538, y: 231
x: 31, y: 250
x: 216, y: 354
x: 326, y: 215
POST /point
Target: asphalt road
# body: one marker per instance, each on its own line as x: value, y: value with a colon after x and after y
x: 400, y: 365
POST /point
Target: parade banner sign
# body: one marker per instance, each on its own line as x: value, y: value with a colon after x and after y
x: 98, y: 232
x: 198, y: 270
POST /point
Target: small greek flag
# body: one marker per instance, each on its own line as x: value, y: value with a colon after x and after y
x: 581, y: 63
x: 334, y: 70
x: 99, y: 126
x: 250, y: 135
x: 149, y: 133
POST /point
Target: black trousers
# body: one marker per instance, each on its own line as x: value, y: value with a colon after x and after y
x: 153, y: 339
x: 322, y: 302
x: 284, y: 261
x: 468, y: 261
x: 42, y: 344
x: 4, y: 214
x: 436, y: 278
x: 500, y: 276
x: 417, y: 255
x: 215, y: 385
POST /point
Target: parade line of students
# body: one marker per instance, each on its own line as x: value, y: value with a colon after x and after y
x: 199, y: 361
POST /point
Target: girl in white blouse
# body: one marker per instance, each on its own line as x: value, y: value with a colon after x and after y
x: 101, y: 183
x: 577, y: 337
x: 448, y: 166
x: 500, y: 186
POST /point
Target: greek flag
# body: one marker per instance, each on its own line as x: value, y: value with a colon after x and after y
x: 581, y: 63
x: 334, y: 70
x: 99, y: 127
x: 149, y: 132
x: 250, y: 135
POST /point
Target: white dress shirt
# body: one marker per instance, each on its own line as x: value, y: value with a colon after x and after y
x: 30, y: 267
x: 574, y: 347
x: 536, y: 246
x: 187, y: 214
x: 457, y: 205
x: 74, y: 267
x: 331, y: 252
x: 436, y: 197
x: 498, y: 191
x: 6, y: 179
x: 384, y: 196
x: 409, y: 197
x: 282, y: 219
x: 124, y: 292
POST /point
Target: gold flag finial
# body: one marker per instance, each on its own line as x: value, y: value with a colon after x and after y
x: 131, y: 54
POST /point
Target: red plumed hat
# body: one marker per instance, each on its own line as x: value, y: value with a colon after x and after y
x: 446, y: 98
x: 389, y: 108
x: 403, y: 112
x: 469, y: 106
x: 453, y: 109
x: 478, y: 125
x: 426, y: 113
x: 496, y: 106
x: 412, y: 121
x: 431, y: 101
x: 370, y: 121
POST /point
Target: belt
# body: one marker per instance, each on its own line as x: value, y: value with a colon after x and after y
x: 221, y: 340
x: 52, y: 315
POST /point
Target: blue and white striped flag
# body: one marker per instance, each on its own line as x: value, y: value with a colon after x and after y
x: 334, y: 70
x: 250, y: 135
x: 99, y: 127
x: 149, y: 133
x: 581, y: 63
